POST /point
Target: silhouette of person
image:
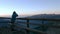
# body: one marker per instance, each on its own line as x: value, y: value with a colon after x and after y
x: 14, y: 15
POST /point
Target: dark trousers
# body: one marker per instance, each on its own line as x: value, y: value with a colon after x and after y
x: 12, y: 26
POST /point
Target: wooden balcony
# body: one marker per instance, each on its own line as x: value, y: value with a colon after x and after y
x: 28, y: 29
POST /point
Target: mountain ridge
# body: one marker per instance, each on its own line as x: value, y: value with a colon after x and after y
x: 45, y: 16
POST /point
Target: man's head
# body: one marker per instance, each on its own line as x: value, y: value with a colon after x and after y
x: 15, y: 14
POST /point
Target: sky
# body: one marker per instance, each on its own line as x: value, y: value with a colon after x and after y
x: 29, y: 7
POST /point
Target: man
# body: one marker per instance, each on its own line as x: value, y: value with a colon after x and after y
x: 14, y: 15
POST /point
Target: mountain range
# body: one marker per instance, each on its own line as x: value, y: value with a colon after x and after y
x: 53, y: 16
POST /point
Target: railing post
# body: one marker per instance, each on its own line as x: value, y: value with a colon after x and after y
x: 27, y: 23
x: 43, y: 25
x: 27, y: 31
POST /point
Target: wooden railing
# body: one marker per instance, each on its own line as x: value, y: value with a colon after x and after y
x: 43, y: 19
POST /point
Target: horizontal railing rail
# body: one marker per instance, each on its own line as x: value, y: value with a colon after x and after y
x: 33, y: 30
x: 45, y: 19
x: 53, y: 26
